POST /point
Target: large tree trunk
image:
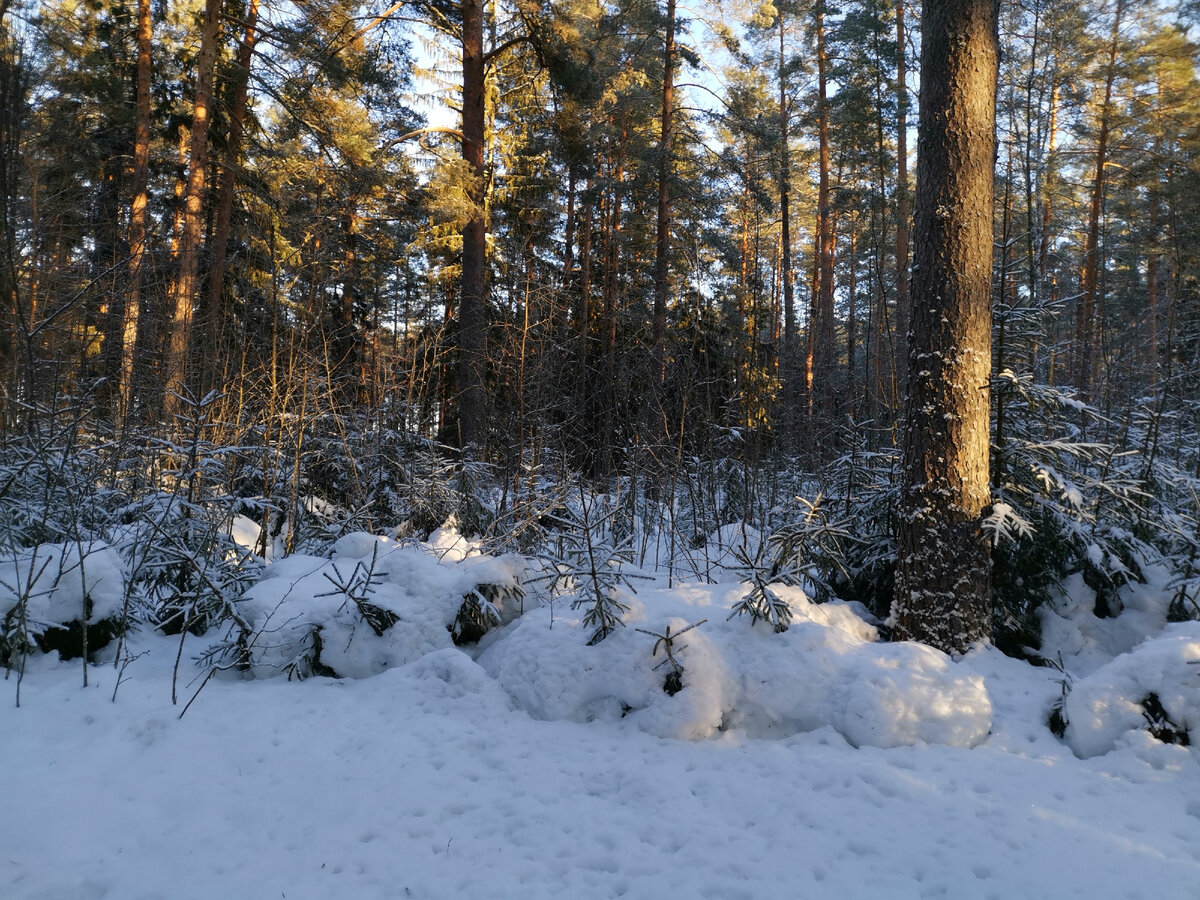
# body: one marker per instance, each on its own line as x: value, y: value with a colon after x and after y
x: 472, y: 399
x: 943, y: 571
x: 183, y: 290
x: 903, y: 204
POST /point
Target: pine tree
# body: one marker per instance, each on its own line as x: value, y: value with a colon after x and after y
x: 943, y: 594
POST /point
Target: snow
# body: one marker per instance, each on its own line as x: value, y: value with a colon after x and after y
x: 825, y: 670
x: 812, y: 763
x: 423, y: 589
x: 1108, y: 705
x: 246, y: 533
x: 1090, y: 642
x: 55, y: 578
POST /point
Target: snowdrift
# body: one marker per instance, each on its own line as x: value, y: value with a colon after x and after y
x: 379, y: 604
x: 1154, y: 688
x: 824, y: 671
x: 375, y: 605
x: 47, y: 592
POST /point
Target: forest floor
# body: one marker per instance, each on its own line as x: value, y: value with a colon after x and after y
x: 439, y: 778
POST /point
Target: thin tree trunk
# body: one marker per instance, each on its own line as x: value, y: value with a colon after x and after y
x: 824, y: 357
x: 472, y: 401
x: 585, y: 270
x: 569, y: 228
x: 1049, y: 281
x: 1085, y: 310
x: 662, y: 239
x: 852, y: 322
x: 126, y: 375
x: 788, y: 369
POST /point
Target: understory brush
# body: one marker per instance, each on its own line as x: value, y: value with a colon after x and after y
x: 184, y: 527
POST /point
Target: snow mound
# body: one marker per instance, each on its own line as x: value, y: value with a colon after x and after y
x: 449, y: 544
x: 1085, y: 641
x: 1154, y: 685
x: 376, y: 605
x: 54, y: 579
x: 826, y: 670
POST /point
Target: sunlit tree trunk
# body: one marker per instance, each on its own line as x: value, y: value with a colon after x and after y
x: 943, y: 571
x: 131, y: 315
x: 226, y: 186
x: 183, y: 290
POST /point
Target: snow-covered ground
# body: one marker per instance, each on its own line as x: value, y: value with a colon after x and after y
x: 819, y: 764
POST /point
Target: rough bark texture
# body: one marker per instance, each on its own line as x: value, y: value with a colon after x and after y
x: 788, y: 369
x: 943, y: 592
x: 903, y: 203
x: 472, y: 408
x: 183, y: 290
x: 13, y: 87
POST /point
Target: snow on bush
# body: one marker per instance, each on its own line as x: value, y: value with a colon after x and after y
x: 1086, y: 641
x: 375, y: 605
x: 1155, y: 687
x: 728, y: 548
x: 680, y: 668
x: 44, y: 588
x: 825, y: 671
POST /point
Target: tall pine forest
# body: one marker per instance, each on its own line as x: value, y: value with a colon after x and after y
x: 520, y: 265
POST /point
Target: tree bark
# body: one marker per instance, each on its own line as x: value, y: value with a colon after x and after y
x: 131, y: 315
x: 824, y: 355
x: 472, y: 405
x: 903, y: 202
x: 1085, y: 310
x: 585, y: 271
x: 943, y: 571
x: 183, y: 290
x: 226, y: 187
x: 788, y: 369
x: 14, y: 85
